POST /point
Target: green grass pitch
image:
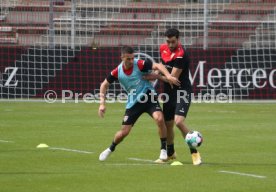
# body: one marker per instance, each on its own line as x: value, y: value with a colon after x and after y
x: 238, y: 138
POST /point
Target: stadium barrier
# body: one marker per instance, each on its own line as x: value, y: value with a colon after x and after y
x: 74, y: 44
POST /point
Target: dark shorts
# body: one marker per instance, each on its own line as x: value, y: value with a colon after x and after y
x: 177, y: 106
x: 132, y: 114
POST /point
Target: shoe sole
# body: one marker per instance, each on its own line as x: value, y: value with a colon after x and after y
x: 197, y: 164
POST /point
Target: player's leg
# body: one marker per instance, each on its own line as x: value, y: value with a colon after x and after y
x: 162, y: 130
x: 159, y: 120
x: 118, y: 138
x: 168, y: 110
x: 120, y: 135
x: 180, y: 124
x: 181, y: 112
x: 130, y: 117
x: 152, y: 107
x: 170, y: 138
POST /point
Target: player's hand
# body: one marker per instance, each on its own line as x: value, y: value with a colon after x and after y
x: 101, y: 110
x: 151, y: 76
x: 173, y: 80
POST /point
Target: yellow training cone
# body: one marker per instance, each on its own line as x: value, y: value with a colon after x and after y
x: 42, y: 145
x: 176, y: 163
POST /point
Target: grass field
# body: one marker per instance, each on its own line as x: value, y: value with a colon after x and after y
x: 239, y: 139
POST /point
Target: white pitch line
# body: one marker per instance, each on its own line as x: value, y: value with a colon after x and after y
x: 130, y: 164
x: 142, y: 160
x: 4, y: 141
x: 70, y: 150
x: 244, y: 174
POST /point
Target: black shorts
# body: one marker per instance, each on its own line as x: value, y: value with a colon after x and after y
x: 177, y: 104
x: 133, y: 113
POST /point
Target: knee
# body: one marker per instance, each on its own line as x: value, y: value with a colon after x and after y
x: 159, y: 119
x: 178, y: 122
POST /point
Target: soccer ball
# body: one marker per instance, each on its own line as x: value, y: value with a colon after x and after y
x: 194, y: 139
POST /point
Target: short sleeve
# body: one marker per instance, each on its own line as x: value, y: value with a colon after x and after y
x: 182, y: 62
x: 145, y: 66
x: 113, y: 76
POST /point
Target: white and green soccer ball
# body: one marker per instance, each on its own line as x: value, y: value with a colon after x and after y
x: 194, y: 139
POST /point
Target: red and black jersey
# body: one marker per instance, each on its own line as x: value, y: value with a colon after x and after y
x: 178, y: 59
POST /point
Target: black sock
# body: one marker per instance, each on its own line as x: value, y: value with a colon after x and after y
x: 193, y: 150
x: 163, y: 143
x: 170, y: 149
x: 112, y: 146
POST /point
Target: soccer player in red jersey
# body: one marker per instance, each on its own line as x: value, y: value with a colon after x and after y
x: 176, y: 60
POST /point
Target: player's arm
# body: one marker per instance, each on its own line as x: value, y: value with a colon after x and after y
x: 167, y: 76
x: 155, y: 75
x: 104, y: 86
x: 176, y: 72
x: 148, y: 65
x: 180, y: 64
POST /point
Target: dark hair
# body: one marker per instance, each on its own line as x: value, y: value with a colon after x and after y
x: 172, y: 32
x: 127, y: 50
